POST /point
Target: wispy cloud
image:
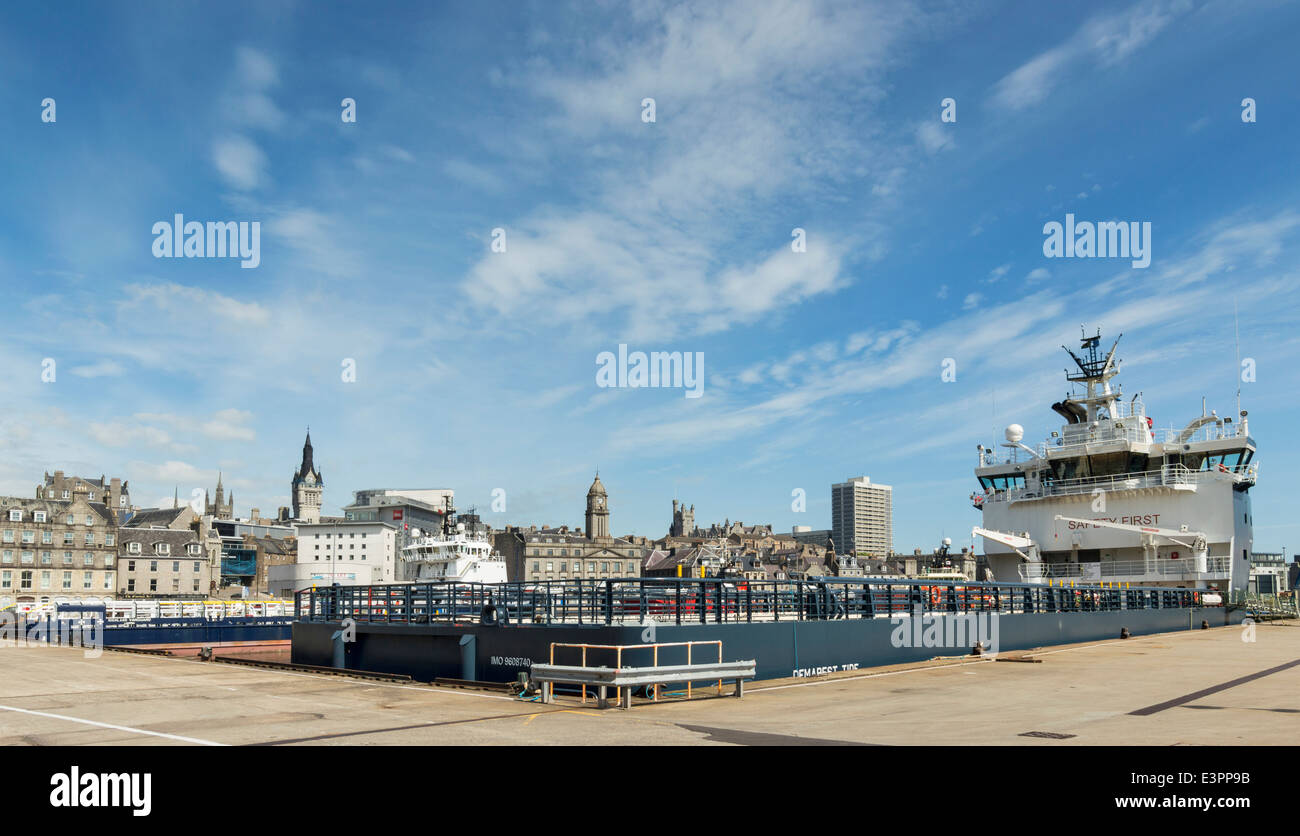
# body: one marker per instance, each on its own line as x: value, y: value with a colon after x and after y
x: 1101, y: 42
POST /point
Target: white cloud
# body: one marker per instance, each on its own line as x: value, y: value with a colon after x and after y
x: 972, y: 300
x: 935, y: 137
x: 104, y: 368
x: 240, y: 162
x: 1103, y: 41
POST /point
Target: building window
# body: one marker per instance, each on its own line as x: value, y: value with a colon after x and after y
x: 72, y: 519
x: 67, y: 538
x: 176, y: 565
x: 604, y: 567
x: 15, y: 516
x: 153, y: 566
x: 130, y: 566
x: 564, y: 567
x: 90, y: 520
x: 153, y: 584
x: 591, y: 567
x: 39, y: 516
x: 25, y: 580
x: 194, y: 548
x: 196, y: 584
x: 29, y: 557
x: 90, y: 539
x: 108, y: 580
x: 550, y: 567
x: 108, y: 558
x: 162, y: 548
x: 6, y: 579
x: 29, y: 536
x: 9, y: 535
x: 66, y: 494
x: 537, y: 566
x: 67, y: 580
x: 67, y: 557
x: 47, y: 536
x: 110, y: 540
x: 45, y: 580
x: 46, y: 558
x: 130, y: 584
x: 133, y: 548
x: 88, y: 559
x: 196, y: 567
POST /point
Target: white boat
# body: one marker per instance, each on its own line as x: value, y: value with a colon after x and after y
x: 456, y: 556
x: 1111, y: 498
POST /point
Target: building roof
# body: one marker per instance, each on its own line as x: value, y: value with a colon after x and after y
x: 148, y: 517
x: 151, y: 536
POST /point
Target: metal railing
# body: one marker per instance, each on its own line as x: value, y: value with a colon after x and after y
x: 642, y: 601
x: 1166, y: 476
x: 1114, y: 569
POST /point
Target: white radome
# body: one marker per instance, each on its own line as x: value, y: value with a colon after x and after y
x: 1015, y: 433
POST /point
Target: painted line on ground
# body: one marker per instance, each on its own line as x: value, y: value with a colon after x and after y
x: 111, y: 726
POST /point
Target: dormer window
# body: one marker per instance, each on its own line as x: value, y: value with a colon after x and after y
x: 39, y: 516
x: 133, y: 548
x: 66, y: 494
x: 194, y: 548
x: 15, y: 516
x: 162, y: 548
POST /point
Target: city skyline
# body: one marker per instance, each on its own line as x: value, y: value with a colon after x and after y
x: 478, y: 370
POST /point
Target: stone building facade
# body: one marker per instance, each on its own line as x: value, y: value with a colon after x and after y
x: 57, y: 548
x: 563, y: 553
x: 164, y: 562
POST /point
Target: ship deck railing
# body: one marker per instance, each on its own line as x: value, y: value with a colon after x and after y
x: 667, y: 601
x: 1175, y: 475
x: 1217, y: 567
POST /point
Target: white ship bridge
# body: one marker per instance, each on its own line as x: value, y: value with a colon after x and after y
x: 1110, y: 497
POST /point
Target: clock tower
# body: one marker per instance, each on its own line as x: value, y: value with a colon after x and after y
x: 597, y: 511
x: 306, y: 487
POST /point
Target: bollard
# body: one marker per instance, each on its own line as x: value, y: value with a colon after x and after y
x: 1123, y: 632
x: 467, y: 643
x: 1205, y: 625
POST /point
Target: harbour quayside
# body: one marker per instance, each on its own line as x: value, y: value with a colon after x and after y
x: 1059, y: 574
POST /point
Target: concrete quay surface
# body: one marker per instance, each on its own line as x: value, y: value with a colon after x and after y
x: 1199, y: 687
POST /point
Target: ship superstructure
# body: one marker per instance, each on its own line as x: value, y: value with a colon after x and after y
x: 461, y: 552
x: 1112, y: 498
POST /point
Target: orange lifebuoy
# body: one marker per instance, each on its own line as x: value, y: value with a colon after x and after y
x: 934, y: 595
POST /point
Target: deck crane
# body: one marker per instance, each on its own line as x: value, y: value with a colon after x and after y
x: 1194, y: 541
x: 1019, y: 543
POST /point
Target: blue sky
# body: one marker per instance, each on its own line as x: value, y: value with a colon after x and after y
x: 475, y: 370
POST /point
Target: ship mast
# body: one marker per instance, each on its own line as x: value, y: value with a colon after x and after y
x: 1095, y: 371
